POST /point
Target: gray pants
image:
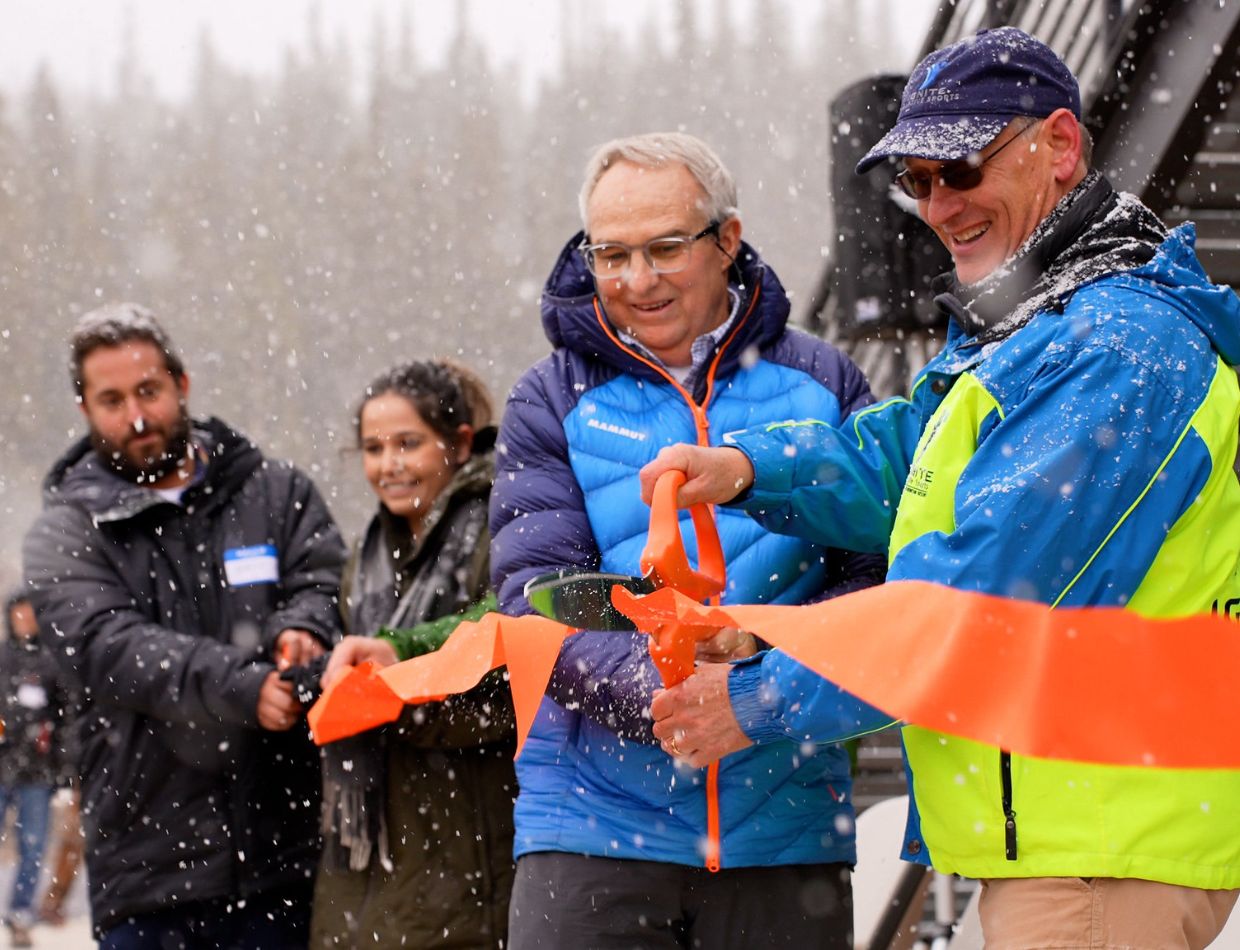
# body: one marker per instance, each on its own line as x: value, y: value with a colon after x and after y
x: 570, y: 902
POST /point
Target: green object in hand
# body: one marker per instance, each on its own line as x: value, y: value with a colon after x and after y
x: 429, y: 636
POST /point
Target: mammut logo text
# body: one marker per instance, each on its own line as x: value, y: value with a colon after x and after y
x: 617, y: 430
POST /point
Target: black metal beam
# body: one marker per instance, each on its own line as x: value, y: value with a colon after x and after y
x: 938, y: 28
x: 1179, y: 59
x: 1113, y: 18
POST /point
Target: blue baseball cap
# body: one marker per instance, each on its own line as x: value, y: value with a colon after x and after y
x: 960, y: 97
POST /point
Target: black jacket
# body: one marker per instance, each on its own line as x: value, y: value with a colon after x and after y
x: 183, y: 797
x: 36, y: 709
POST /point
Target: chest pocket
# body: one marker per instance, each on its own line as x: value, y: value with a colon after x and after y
x: 247, y: 552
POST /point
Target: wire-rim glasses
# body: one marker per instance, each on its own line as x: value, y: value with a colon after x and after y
x: 663, y: 255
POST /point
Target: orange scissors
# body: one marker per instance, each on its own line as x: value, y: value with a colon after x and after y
x: 585, y: 599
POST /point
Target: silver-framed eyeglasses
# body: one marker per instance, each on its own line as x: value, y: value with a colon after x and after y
x: 663, y: 255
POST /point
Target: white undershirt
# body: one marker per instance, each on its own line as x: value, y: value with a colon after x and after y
x: 171, y: 494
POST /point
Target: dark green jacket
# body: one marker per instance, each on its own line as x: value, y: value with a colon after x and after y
x: 450, y: 778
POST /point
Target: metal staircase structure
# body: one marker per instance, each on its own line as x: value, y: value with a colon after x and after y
x: 1160, y: 92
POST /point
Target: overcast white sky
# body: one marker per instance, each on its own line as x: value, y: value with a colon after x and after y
x: 81, y: 39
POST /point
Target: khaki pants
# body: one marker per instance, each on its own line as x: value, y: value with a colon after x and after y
x: 1067, y: 913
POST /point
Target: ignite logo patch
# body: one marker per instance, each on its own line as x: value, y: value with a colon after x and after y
x: 932, y: 74
x: 919, y: 481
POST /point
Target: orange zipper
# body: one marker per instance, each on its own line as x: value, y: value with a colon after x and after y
x: 701, y: 426
x: 701, y: 423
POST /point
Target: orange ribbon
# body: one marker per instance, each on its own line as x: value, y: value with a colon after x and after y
x: 352, y: 704
x: 1089, y: 684
x: 528, y: 646
x: 1095, y: 684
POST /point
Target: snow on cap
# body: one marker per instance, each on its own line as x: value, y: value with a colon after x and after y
x: 960, y: 97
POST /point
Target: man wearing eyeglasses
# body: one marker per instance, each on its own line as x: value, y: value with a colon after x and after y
x: 666, y: 326
x: 1073, y: 444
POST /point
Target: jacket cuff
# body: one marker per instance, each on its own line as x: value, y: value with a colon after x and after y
x: 752, y: 702
x: 278, y: 622
x: 246, y: 688
x: 772, y: 475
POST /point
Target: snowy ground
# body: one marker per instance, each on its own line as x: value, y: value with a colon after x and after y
x: 74, y: 935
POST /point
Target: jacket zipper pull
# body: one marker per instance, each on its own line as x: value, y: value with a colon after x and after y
x: 1009, y: 836
x: 701, y: 423
x: 1009, y: 814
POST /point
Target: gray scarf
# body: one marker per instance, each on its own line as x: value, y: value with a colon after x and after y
x: 1092, y: 232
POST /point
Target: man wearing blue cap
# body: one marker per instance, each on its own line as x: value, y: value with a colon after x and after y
x: 1073, y: 444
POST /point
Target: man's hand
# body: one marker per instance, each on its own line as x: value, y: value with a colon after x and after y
x: 351, y: 651
x: 278, y: 710
x: 726, y: 645
x: 296, y: 648
x: 694, y: 719
x: 713, y: 475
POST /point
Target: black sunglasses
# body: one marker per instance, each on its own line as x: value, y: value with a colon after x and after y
x: 958, y: 176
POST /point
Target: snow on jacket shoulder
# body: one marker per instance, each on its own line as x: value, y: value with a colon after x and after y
x: 1087, y: 459
x: 171, y: 645
x: 578, y: 427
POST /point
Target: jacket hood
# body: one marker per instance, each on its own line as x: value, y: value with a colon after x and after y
x: 79, y: 478
x: 569, y: 319
x: 1213, y: 308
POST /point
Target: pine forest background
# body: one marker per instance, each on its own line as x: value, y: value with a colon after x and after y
x: 298, y: 233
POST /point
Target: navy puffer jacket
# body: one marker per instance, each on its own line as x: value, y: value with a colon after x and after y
x: 577, y: 428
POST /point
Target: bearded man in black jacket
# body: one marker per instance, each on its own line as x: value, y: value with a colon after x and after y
x: 174, y: 568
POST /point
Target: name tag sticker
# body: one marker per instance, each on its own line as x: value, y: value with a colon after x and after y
x: 253, y: 565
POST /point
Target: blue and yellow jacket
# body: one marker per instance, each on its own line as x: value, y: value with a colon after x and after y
x: 577, y: 428
x: 1086, y: 459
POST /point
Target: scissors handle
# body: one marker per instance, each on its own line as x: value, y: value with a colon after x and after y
x: 673, y: 648
x: 664, y: 556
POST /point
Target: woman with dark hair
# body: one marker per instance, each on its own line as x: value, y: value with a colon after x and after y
x: 417, y: 816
